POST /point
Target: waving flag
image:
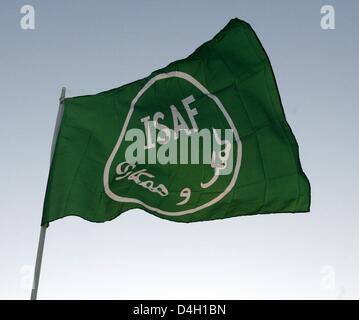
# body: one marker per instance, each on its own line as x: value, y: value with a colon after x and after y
x: 203, y: 138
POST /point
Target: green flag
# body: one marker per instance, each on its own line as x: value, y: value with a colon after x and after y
x: 203, y: 138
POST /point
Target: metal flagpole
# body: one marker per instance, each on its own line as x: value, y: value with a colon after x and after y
x: 40, y: 247
x: 40, y: 250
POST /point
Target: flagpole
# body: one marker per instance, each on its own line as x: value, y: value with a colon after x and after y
x: 40, y: 248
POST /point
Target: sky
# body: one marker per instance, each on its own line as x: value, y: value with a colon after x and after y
x: 91, y: 46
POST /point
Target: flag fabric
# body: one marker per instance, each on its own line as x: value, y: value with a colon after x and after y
x: 203, y: 138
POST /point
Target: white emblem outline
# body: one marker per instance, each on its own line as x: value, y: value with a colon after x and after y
x: 199, y: 86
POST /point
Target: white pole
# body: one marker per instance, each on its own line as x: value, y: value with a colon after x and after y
x: 40, y: 248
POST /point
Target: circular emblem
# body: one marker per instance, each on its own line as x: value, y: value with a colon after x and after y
x: 178, y: 151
